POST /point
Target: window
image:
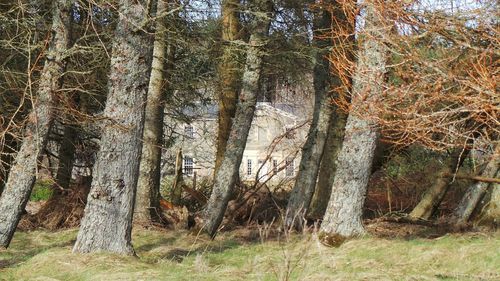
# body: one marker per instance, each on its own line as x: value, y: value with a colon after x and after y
x: 275, y: 166
x: 189, y: 131
x: 188, y: 165
x: 290, y: 167
x: 263, y: 170
x: 249, y: 167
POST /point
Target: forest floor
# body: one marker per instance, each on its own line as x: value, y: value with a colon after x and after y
x: 260, y: 254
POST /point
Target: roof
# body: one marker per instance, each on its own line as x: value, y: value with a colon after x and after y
x: 210, y: 111
x: 285, y: 109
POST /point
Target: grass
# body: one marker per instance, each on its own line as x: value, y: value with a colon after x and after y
x: 179, y: 255
x: 41, y: 191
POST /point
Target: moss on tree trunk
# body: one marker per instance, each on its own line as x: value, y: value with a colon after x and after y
x: 229, y: 75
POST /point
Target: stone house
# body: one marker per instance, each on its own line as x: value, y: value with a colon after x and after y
x: 272, y: 153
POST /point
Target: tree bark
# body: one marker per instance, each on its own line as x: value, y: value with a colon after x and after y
x: 66, y: 158
x: 148, y: 187
x: 229, y: 76
x: 328, y: 167
x: 176, y: 193
x: 476, y: 192
x: 228, y: 172
x: 23, y: 173
x: 107, y: 223
x: 490, y: 215
x: 9, y: 147
x: 312, y: 150
x: 429, y: 203
x: 343, y: 215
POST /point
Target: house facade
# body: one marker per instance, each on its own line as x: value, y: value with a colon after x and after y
x: 272, y: 152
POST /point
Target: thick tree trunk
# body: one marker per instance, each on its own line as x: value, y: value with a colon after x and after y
x: 228, y: 172
x: 429, y: 203
x: 345, y: 208
x: 476, y: 192
x: 23, y: 173
x: 229, y: 75
x: 107, y: 223
x: 328, y: 167
x: 148, y: 187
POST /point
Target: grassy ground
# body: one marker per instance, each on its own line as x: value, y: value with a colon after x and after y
x: 243, y: 255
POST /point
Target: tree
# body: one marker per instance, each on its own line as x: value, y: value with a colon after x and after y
x: 343, y: 215
x: 228, y: 172
x: 19, y: 48
x: 23, y: 172
x: 341, y: 58
x: 148, y: 186
x: 312, y: 150
x: 328, y: 166
x: 229, y: 75
x: 331, y: 23
x: 8, y: 148
x: 476, y: 191
x: 66, y: 157
x: 107, y: 223
x: 430, y: 201
x: 441, y: 91
x: 490, y: 215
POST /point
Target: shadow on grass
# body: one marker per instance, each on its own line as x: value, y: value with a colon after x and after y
x: 11, y: 257
x: 179, y: 254
x: 152, y: 245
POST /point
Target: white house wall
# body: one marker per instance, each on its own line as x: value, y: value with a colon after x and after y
x: 267, y: 127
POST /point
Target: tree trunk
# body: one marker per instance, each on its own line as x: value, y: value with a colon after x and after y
x: 345, y: 208
x: 435, y: 194
x: 23, y: 173
x: 229, y: 75
x: 328, y: 167
x: 176, y: 194
x: 312, y: 150
x: 228, y: 172
x: 107, y: 223
x: 9, y: 147
x: 148, y: 187
x: 490, y: 215
x: 477, y: 191
x: 66, y: 157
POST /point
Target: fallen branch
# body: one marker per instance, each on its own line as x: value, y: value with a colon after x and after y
x: 409, y: 220
x: 476, y: 178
